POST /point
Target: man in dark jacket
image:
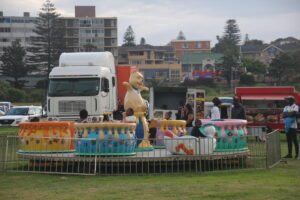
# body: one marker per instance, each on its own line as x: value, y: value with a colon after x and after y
x: 238, y: 111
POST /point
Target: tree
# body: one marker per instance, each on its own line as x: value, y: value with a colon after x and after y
x: 228, y: 45
x: 13, y: 63
x: 180, y: 36
x: 143, y: 41
x: 49, y: 42
x: 283, y: 68
x: 254, y: 42
x: 246, y: 38
x: 287, y: 40
x: 129, y: 38
x: 89, y: 47
x: 247, y: 79
x: 254, y: 66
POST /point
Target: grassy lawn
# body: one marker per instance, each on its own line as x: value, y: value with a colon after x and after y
x: 9, y: 131
x: 280, y: 182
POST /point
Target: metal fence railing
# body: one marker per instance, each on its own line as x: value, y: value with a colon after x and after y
x: 273, y: 148
x: 110, y: 157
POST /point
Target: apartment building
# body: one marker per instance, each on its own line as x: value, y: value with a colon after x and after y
x: 85, y: 30
x: 16, y: 28
x: 82, y: 31
x: 190, y: 46
x: 155, y: 62
x: 146, y: 54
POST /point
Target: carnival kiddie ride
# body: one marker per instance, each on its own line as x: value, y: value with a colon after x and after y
x: 127, y: 140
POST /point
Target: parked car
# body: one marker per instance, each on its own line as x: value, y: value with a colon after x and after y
x: 4, y: 107
x: 18, y: 114
x: 2, y: 110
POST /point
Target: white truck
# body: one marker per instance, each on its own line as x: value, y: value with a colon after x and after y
x: 82, y: 81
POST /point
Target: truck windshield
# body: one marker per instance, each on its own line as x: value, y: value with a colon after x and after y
x: 74, y: 87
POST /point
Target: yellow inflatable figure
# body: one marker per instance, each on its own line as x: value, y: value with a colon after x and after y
x: 134, y: 100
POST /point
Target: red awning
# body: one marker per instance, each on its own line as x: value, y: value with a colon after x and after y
x: 263, y: 97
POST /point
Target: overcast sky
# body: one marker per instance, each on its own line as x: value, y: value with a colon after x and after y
x: 159, y: 21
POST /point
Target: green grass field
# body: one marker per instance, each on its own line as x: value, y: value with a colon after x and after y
x: 280, y: 182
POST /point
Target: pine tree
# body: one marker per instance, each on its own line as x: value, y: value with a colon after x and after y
x: 129, y: 38
x: 181, y: 36
x: 246, y: 38
x: 143, y: 41
x: 49, y: 42
x: 13, y: 63
x: 228, y: 45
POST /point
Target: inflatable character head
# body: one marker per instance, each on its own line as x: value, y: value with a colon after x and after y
x: 136, y: 80
x: 209, y: 130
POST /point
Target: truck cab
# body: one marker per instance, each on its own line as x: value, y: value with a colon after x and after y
x: 82, y: 81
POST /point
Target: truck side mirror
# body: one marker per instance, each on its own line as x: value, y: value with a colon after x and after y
x: 105, y: 85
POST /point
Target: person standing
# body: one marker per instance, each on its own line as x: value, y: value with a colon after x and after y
x: 238, y: 111
x: 215, y: 110
x: 290, y: 123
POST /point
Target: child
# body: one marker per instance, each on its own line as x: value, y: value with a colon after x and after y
x: 196, y: 129
x: 83, y: 114
x: 129, y: 116
x: 168, y: 115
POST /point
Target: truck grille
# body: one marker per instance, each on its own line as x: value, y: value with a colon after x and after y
x: 71, y: 107
x: 6, y: 121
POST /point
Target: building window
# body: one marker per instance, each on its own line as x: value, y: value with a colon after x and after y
x: 186, y: 68
x: 207, y: 45
x: 160, y: 74
x: 5, y: 30
x: 174, y: 74
x: 98, y: 21
x: 197, y: 67
x: 136, y: 53
x: 5, y: 20
x: 185, y: 45
x: 17, y: 20
x: 85, y: 23
x: 198, y: 45
x: 135, y: 62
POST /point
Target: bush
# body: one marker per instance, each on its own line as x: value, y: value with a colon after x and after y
x: 247, y: 79
x: 3, y: 91
x: 16, y: 95
x: 209, y: 82
x: 36, y: 95
x: 41, y: 84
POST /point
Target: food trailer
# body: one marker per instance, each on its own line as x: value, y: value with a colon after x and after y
x: 264, y: 105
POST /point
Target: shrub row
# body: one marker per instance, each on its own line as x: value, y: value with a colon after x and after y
x: 8, y: 93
